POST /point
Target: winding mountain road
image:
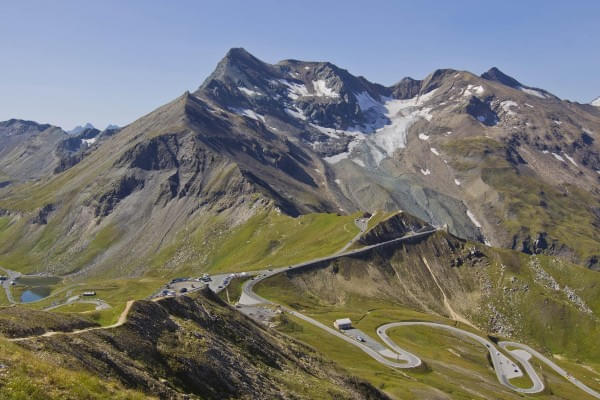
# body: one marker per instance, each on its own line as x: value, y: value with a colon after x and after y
x: 526, y: 349
x: 502, y: 365
x: 504, y: 368
x: 250, y: 298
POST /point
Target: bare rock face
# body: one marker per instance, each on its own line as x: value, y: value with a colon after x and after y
x: 394, y: 227
x: 42, y: 216
x: 123, y: 188
x: 155, y: 154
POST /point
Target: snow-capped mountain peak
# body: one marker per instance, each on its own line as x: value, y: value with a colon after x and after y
x: 596, y: 102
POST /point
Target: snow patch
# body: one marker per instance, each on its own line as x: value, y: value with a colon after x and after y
x: 558, y: 157
x: 387, y: 133
x: 468, y: 92
x: 473, y: 219
x: 545, y: 151
x: 338, y: 181
x: 596, y: 102
x: 570, y: 159
x: 507, y: 104
x: 425, y: 171
x: 533, y: 92
x: 423, y: 136
x: 402, y: 115
x: 296, y: 113
x: 434, y: 151
x: 89, y: 142
x: 248, y: 113
x: 295, y: 90
x: 322, y: 90
x: 529, y: 105
x: 327, y: 131
x: 457, y: 182
x: 248, y: 92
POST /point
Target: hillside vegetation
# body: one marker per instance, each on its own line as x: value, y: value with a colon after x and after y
x: 539, y: 300
x: 193, y: 345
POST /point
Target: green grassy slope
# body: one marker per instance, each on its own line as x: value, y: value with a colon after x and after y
x: 27, y: 376
x: 524, y: 205
x: 266, y: 239
x: 269, y: 238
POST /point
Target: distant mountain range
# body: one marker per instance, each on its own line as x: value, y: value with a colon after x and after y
x: 493, y: 159
x: 80, y: 128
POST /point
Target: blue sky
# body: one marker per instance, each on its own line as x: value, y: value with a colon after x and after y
x: 69, y: 62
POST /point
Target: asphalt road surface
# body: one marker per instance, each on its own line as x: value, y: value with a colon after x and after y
x: 250, y: 298
x: 12, y: 275
x: 505, y: 369
x: 549, y: 363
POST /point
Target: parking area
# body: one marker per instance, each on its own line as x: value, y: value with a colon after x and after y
x: 180, y: 286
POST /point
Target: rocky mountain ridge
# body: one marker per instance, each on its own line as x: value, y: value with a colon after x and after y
x: 493, y: 159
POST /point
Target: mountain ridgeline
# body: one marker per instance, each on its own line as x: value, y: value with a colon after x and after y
x: 494, y: 160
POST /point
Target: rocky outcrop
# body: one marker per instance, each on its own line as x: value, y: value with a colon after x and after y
x: 542, y: 244
x: 394, y: 227
x: 41, y: 218
x: 155, y: 154
x: 481, y: 111
x: 123, y: 188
